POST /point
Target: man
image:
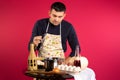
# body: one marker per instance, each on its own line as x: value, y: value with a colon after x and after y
x: 50, y: 35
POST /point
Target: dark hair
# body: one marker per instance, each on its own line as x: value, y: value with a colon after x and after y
x: 58, y: 6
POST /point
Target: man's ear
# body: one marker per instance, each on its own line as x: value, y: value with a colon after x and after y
x: 49, y: 12
x: 64, y: 14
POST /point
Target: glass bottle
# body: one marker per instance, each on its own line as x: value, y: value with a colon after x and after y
x: 77, y: 62
x: 32, y: 62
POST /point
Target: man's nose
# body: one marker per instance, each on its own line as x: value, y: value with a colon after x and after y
x: 56, y: 19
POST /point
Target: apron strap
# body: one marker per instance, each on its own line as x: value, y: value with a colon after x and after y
x: 60, y: 30
x: 47, y: 27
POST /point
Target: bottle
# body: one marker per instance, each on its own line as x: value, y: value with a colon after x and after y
x: 55, y: 63
x: 77, y: 62
x: 32, y: 62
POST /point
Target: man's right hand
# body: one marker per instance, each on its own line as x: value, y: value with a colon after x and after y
x: 37, y: 40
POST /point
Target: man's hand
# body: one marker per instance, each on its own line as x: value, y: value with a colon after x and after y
x: 70, y: 60
x: 37, y: 40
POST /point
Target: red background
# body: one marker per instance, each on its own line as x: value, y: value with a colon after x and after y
x: 97, y: 24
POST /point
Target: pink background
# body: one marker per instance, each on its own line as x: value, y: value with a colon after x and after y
x: 97, y: 24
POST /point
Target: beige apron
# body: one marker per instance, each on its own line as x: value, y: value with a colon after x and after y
x: 51, y: 45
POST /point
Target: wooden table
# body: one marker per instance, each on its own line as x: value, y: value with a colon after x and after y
x: 43, y: 75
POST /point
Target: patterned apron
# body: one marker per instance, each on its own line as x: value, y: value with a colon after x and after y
x: 51, y: 45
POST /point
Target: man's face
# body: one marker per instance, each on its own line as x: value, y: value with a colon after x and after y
x: 56, y: 17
